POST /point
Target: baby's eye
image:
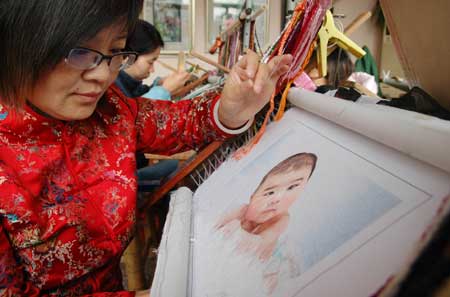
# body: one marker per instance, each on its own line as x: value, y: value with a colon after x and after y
x: 270, y: 193
x: 293, y: 186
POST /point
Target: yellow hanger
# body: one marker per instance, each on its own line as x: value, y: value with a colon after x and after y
x: 328, y: 32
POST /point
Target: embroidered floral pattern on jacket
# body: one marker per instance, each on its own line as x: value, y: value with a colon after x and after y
x: 68, y: 189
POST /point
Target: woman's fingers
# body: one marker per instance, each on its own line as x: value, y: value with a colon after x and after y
x: 271, y: 71
x: 244, y: 71
x: 185, y: 76
x: 279, y: 65
x: 249, y: 64
x: 241, y: 73
x: 252, y: 64
x: 250, y: 76
x: 261, y: 78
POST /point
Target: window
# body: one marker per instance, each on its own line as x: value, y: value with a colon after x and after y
x: 173, y: 19
x: 222, y: 13
x: 188, y: 24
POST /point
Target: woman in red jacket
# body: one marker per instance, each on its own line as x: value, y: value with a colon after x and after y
x: 68, y: 138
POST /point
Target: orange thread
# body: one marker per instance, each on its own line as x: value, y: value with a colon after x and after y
x: 283, y: 100
x: 243, y: 151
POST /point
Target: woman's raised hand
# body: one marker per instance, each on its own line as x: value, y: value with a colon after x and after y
x: 249, y: 87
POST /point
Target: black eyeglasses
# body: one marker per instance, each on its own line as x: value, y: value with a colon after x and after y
x: 85, y: 58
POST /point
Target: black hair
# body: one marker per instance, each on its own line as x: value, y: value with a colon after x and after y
x: 37, y: 34
x: 145, y: 38
x: 340, y: 67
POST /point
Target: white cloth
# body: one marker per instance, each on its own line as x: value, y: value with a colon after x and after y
x: 234, y: 269
x: 365, y: 80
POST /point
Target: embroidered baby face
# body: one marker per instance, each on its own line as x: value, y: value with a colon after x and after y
x: 67, y: 93
x: 276, y: 194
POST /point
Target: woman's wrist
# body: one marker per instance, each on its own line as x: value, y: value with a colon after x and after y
x: 230, y: 126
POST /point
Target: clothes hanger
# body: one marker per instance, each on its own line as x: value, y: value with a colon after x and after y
x: 329, y: 33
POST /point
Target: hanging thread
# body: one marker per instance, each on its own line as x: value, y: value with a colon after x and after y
x: 298, y: 40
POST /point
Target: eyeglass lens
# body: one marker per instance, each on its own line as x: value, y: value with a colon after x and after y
x: 86, y: 59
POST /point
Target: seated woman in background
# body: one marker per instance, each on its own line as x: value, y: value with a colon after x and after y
x: 68, y: 140
x: 147, y: 42
x: 339, y: 68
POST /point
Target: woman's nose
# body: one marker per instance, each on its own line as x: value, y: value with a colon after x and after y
x: 101, y: 73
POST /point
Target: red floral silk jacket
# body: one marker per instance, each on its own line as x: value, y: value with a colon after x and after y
x: 68, y: 189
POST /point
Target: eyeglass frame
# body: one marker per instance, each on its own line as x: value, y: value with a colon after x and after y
x: 108, y: 58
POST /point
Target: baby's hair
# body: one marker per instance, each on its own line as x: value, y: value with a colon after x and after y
x: 294, y: 162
